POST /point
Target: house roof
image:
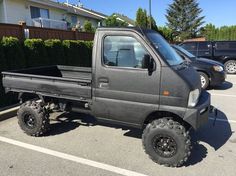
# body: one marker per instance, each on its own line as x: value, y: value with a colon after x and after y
x: 124, y: 18
x: 85, y: 12
x: 78, y: 10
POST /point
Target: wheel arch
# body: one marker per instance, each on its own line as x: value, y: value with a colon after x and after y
x: 161, y: 114
x: 206, y: 72
x: 228, y: 58
x: 24, y: 96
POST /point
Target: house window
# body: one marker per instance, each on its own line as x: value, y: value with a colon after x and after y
x: 74, y: 20
x: 39, y: 12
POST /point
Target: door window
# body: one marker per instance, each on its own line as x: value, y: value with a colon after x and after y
x: 123, y: 51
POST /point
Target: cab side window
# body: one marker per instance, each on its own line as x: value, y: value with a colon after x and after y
x: 123, y: 51
x: 191, y: 47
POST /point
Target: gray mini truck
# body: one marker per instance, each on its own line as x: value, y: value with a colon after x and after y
x: 136, y: 80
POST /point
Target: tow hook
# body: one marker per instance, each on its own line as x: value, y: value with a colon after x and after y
x: 214, y: 111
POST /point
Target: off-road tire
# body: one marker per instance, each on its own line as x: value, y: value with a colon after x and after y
x: 40, y: 123
x: 230, y: 66
x: 204, y: 77
x: 177, y: 132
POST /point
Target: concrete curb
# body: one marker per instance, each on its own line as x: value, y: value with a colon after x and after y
x: 9, y: 112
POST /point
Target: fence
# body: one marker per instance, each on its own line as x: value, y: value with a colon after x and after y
x: 22, y: 31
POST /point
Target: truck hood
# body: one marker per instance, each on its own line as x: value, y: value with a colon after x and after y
x: 179, y: 81
x: 191, y: 77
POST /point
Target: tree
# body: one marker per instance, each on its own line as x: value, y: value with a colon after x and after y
x: 153, y: 23
x: 88, y: 27
x: 112, y: 21
x: 166, y: 33
x: 210, y: 32
x: 184, y: 18
x: 141, y: 18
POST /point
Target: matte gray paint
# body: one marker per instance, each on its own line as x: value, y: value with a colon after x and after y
x: 118, y: 95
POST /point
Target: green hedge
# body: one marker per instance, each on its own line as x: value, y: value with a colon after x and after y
x: 13, y: 53
x: 78, y: 53
x: 11, y: 57
x: 55, y: 51
x: 36, y: 52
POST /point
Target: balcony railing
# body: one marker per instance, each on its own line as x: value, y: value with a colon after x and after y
x: 49, y: 23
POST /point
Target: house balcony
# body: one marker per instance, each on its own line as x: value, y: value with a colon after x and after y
x: 49, y: 23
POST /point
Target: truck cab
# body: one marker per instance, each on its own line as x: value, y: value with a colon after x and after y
x: 137, y: 80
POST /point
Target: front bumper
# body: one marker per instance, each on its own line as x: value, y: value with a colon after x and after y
x: 217, y: 78
x: 198, y: 116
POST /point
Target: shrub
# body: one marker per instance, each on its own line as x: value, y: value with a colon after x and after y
x: 11, y: 57
x: 3, y: 64
x: 89, y: 53
x: 13, y: 53
x: 36, y: 53
x: 88, y: 27
x: 55, y: 51
x: 77, y: 53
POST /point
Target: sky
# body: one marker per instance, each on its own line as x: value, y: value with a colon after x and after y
x: 217, y: 12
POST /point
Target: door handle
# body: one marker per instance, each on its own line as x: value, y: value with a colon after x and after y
x: 103, y: 80
x: 103, y: 83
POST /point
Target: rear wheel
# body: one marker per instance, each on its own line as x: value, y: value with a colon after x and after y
x: 33, y: 119
x: 230, y: 66
x: 167, y: 142
x: 204, y: 80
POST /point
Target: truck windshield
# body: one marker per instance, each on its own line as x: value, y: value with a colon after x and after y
x: 164, y: 49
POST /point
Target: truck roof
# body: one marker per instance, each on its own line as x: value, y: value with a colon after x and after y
x: 137, y: 29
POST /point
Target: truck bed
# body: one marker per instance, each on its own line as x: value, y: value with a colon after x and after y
x: 67, y: 82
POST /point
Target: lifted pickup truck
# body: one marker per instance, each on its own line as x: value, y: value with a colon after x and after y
x: 136, y: 79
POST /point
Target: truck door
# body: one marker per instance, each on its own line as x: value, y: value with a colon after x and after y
x: 124, y: 91
x: 205, y: 49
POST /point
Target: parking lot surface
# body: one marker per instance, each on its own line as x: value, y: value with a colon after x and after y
x: 80, y: 146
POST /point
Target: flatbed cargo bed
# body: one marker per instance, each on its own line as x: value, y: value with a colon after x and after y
x: 67, y: 82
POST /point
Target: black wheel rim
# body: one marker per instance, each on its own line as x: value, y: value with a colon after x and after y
x: 164, y: 145
x: 29, y: 121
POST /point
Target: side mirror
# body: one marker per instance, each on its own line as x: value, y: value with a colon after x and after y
x: 148, y: 63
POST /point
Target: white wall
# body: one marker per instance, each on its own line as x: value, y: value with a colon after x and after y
x: 19, y: 10
x: 2, y: 17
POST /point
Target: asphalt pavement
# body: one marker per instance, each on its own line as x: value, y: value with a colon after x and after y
x: 78, y: 145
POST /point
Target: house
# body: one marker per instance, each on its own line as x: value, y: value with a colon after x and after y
x: 47, y: 13
x: 124, y: 18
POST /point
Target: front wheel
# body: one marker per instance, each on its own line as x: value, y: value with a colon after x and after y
x: 204, y: 80
x: 230, y: 66
x: 167, y: 142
